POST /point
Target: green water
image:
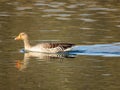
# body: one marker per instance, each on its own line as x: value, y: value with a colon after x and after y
x: 81, y: 22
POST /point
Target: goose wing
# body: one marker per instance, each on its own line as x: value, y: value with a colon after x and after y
x: 54, y: 45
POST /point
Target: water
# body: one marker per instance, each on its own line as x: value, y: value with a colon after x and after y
x: 83, y: 22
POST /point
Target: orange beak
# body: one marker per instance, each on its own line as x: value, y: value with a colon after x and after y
x: 18, y: 38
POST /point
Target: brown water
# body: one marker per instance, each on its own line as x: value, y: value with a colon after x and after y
x: 81, y: 22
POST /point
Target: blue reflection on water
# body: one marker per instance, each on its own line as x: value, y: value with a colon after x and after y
x: 109, y: 50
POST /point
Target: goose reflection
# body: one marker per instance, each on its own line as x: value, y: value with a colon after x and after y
x: 22, y: 64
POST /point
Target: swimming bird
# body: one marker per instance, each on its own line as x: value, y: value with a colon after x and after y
x: 44, y: 47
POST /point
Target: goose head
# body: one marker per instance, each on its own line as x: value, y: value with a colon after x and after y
x: 22, y: 36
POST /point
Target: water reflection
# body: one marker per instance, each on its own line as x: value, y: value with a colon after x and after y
x: 106, y: 50
x: 22, y: 64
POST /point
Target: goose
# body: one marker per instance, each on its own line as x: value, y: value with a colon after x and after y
x: 44, y: 47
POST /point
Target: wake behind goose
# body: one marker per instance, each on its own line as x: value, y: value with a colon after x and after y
x: 98, y: 49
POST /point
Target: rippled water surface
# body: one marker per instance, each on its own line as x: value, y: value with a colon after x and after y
x: 83, y: 22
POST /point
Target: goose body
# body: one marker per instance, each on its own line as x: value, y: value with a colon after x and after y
x: 44, y: 47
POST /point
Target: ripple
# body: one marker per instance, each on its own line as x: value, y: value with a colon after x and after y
x: 102, y: 12
x: 87, y: 19
x: 25, y: 13
x: 5, y: 14
x: 63, y: 18
x: 61, y: 15
x: 58, y: 10
x: 86, y: 14
x: 53, y: 10
x: 56, y: 4
x: 106, y: 74
x: 23, y: 8
x: 75, y: 5
x: 40, y: 4
x: 49, y: 30
x: 98, y: 66
x: 13, y: 3
x: 102, y: 9
x: 72, y: 6
x: 86, y: 28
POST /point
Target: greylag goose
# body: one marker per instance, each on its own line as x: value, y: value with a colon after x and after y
x: 44, y: 47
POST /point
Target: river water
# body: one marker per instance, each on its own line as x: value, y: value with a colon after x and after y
x: 83, y: 22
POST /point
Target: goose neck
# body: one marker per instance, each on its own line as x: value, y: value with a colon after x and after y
x: 26, y: 44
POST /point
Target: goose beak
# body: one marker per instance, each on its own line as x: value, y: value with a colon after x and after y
x: 18, y: 38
